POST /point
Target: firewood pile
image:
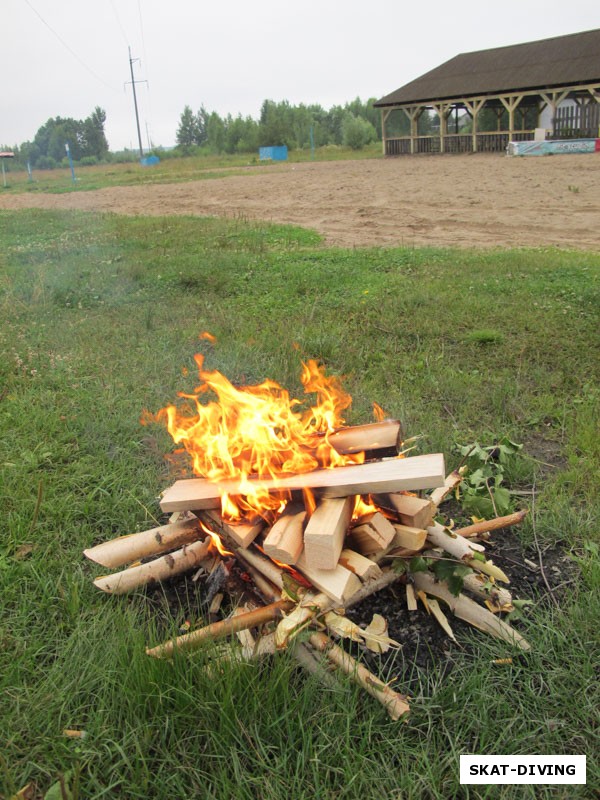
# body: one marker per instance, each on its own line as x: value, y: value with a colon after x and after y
x: 327, y: 539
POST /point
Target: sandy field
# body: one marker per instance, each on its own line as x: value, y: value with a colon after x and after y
x: 464, y: 201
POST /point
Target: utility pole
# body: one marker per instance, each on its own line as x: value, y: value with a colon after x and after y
x: 137, y: 116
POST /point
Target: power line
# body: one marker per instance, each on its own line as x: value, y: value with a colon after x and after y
x: 71, y: 51
x: 120, y: 24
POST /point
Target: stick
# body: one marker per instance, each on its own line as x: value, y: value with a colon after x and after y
x: 222, y: 629
x: 395, y: 704
x: 134, y: 546
x: 492, y: 524
x: 470, y: 611
x: 158, y: 570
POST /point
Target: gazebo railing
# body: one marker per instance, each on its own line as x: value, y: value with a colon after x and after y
x: 487, y: 142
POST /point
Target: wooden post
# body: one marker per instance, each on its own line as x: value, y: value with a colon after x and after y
x: 385, y: 113
x: 511, y: 104
x: 474, y: 108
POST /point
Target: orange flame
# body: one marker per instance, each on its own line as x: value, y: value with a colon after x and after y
x: 363, y: 506
x: 216, y: 540
x: 258, y: 430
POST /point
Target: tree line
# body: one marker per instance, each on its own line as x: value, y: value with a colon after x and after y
x: 86, y: 139
x: 354, y: 125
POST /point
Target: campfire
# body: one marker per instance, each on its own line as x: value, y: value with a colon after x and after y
x: 316, y: 516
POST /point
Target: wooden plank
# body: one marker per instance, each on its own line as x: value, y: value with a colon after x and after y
x: 362, y: 567
x: 285, y: 540
x: 372, y: 534
x: 393, y: 475
x: 325, y: 532
x: 242, y: 535
x: 339, y: 584
x: 415, y: 512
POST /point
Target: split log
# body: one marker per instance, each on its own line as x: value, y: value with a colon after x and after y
x: 415, y: 512
x: 458, y: 547
x: 362, y: 567
x: 372, y: 533
x: 160, y: 569
x: 339, y: 583
x: 440, y: 493
x: 492, y: 524
x: 393, y: 475
x: 376, y: 439
x: 242, y: 534
x: 325, y: 532
x: 470, y: 611
x: 285, y: 540
x: 411, y: 599
x: 222, y: 629
x: 395, y: 704
x: 481, y: 585
x: 409, y: 538
x: 125, y: 549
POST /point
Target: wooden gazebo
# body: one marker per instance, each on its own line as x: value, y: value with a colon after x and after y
x: 558, y: 77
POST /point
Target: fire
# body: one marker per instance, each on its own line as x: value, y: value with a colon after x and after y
x: 258, y: 430
x: 216, y: 540
x: 363, y: 506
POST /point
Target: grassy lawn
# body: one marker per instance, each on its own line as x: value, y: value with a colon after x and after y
x: 100, y: 316
x: 170, y: 170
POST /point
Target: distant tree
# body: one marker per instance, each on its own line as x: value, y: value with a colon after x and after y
x: 85, y: 139
x: 357, y: 132
x: 215, y: 133
x: 94, y: 142
x: 187, y: 132
x: 202, y: 126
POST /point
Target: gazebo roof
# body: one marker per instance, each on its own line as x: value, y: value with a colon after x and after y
x: 549, y: 63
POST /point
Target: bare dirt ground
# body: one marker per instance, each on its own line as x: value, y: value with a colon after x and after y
x: 464, y: 201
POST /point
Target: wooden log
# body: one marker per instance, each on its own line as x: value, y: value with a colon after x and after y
x: 325, y: 532
x: 339, y: 584
x: 285, y: 540
x: 409, y: 538
x: 265, y: 566
x: 222, y: 629
x: 460, y: 548
x: 372, y: 533
x: 470, y: 611
x: 497, y: 597
x: 492, y: 524
x: 160, y: 569
x: 362, y: 567
x: 393, y: 475
x: 395, y: 704
x: 381, y: 439
x: 240, y: 534
x: 440, y: 493
x: 125, y: 549
x: 415, y: 512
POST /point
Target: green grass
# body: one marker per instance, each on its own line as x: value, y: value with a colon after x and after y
x: 100, y: 314
x: 170, y: 170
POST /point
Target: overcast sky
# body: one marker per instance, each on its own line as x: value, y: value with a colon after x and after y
x: 64, y: 57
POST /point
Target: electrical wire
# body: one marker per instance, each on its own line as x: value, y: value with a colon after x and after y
x: 67, y: 47
x: 120, y: 24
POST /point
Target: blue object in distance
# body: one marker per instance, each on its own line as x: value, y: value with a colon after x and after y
x: 279, y: 153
